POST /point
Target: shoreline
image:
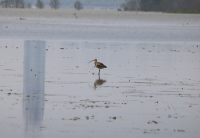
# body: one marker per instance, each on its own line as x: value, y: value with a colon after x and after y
x: 15, y: 12
x: 99, y: 25
x: 98, y: 17
x: 101, y: 17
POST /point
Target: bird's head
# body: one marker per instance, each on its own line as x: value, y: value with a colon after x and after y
x: 93, y: 60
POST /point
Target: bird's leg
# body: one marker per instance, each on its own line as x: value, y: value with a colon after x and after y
x: 99, y: 72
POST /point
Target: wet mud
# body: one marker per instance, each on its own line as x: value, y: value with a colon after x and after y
x: 49, y: 89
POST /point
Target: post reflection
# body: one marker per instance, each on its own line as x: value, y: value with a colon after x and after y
x: 98, y: 82
x: 33, y: 90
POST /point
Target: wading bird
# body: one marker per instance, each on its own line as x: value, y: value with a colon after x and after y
x: 99, y: 65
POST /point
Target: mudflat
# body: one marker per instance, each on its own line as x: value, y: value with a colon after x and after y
x: 150, y: 88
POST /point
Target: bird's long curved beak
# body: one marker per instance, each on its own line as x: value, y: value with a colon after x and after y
x: 91, y: 61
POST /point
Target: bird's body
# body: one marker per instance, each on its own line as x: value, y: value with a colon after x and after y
x: 99, y: 65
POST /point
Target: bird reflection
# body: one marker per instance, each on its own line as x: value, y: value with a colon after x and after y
x: 98, y: 82
x: 33, y: 90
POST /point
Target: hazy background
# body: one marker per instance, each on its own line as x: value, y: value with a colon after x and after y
x: 87, y: 4
x: 176, y: 6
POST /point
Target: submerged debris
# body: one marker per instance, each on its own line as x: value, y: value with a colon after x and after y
x: 179, y: 130
x: 75, y: 118
x: 151, y: 122
x: 114, y: 118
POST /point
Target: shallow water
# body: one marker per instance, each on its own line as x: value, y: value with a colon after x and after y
x: 98, y: 25
x: 48, y: 89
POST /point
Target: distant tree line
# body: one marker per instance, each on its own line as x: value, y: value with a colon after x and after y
x: 88, y: 4
x: 13, y: 4
x: 176, y: 6
x: 55, y: 4
x: 170, y: 5
x: 20, y: 4
x: 131, y: 5
x: 39, y: 4
x: 78, y: 5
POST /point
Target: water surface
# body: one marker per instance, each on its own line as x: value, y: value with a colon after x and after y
x: 48, y: 89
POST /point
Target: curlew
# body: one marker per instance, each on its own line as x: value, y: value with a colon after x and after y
x: 99, y: 65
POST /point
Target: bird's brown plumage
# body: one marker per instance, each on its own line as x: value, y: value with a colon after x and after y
x: 99, y: 65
